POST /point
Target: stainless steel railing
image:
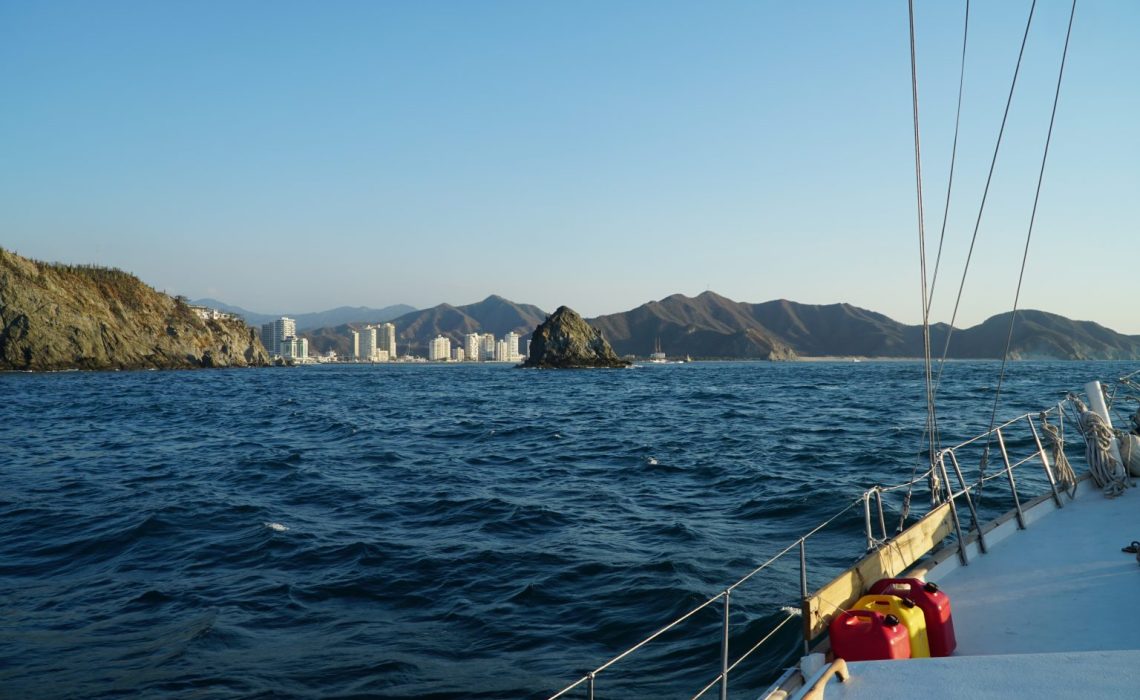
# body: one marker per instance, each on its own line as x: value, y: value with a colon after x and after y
x: 947, y: 460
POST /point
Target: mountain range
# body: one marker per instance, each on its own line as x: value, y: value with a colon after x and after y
x: 319, y: 319
x: 710, y: 326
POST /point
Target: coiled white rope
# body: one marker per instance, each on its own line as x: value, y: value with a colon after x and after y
x: 1107, y: 472
x: 1063, y: 470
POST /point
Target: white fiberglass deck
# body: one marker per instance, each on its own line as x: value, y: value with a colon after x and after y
x: 1050, y: 611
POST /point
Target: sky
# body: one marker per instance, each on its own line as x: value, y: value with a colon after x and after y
x: 289, y: 157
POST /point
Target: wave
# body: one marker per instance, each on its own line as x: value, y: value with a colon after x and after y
x: 423, y: 534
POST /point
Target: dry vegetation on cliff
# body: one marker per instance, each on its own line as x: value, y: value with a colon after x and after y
x: 55, y: 316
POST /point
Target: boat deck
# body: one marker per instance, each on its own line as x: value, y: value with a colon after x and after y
x: 1050, y: 611
x: 1082, y: 674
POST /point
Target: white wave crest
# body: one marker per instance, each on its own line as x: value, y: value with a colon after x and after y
x: 276, y: 527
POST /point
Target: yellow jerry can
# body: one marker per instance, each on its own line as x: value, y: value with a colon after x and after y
x: 907, y: 612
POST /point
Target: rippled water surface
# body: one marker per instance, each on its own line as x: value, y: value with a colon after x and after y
x: 438, y: 531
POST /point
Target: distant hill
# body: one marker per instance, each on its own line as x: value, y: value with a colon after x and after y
x: 712, y: 326
x: 318, y: 319
x: 708, y: 326
x: 416, y: 329
x: 1039, y: 335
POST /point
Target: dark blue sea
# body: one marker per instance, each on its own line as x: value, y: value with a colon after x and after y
x: 433, y: 531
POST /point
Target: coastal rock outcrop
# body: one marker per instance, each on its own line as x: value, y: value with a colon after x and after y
x: 565, y: 340
x: 55, y: 317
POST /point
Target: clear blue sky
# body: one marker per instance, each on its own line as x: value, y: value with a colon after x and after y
x: 295, y: 156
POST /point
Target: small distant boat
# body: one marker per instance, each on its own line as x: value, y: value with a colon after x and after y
x: 657, y: 357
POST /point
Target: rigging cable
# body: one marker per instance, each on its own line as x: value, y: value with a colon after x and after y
x: 922, y: 250
x: 1032, y: 217
x: 941, y: 239
x: 953, y: 157
x: 986, y: 191
x: 977, y: 226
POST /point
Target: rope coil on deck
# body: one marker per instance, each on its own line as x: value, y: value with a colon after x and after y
x: 1108, y: 473
x: 1066, y: 478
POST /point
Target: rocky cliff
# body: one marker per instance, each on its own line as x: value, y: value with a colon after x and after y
x: 566, y: 341
x: 55, y: 317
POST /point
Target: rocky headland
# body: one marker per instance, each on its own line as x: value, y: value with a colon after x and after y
x: 566, y: 341
x: 57, y: 317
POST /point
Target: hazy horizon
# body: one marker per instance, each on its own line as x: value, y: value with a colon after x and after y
x: 292, y: 158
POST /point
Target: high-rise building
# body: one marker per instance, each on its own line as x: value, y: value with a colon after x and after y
x: 386, y: 339
x: 355, y: 336
x: 274, y: 333
x: 439, y: 348
x: 471, y: 346
x: 367, y: 344
x: 293, y: 348
x: 511, y: 340
x: 487, y: 350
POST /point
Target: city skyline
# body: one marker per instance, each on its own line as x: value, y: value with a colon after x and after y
x: 590, y: 155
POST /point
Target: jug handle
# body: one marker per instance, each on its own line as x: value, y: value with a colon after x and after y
x: 837, y: 668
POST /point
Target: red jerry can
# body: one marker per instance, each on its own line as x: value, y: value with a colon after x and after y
x: 865, y: 635
x: 935, y: 606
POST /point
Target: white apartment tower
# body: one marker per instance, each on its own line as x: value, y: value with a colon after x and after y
x: 367, y: 350
x: 354, y: 335
x: 487, y: 349
x: 471, y: 346
x: 439, y: 349
x: 511, y: 340
x: 386, y: 339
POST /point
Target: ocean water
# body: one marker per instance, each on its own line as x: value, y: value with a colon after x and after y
x: 428, y: 531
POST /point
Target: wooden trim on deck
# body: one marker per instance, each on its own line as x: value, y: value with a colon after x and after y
x: 885, y: 562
